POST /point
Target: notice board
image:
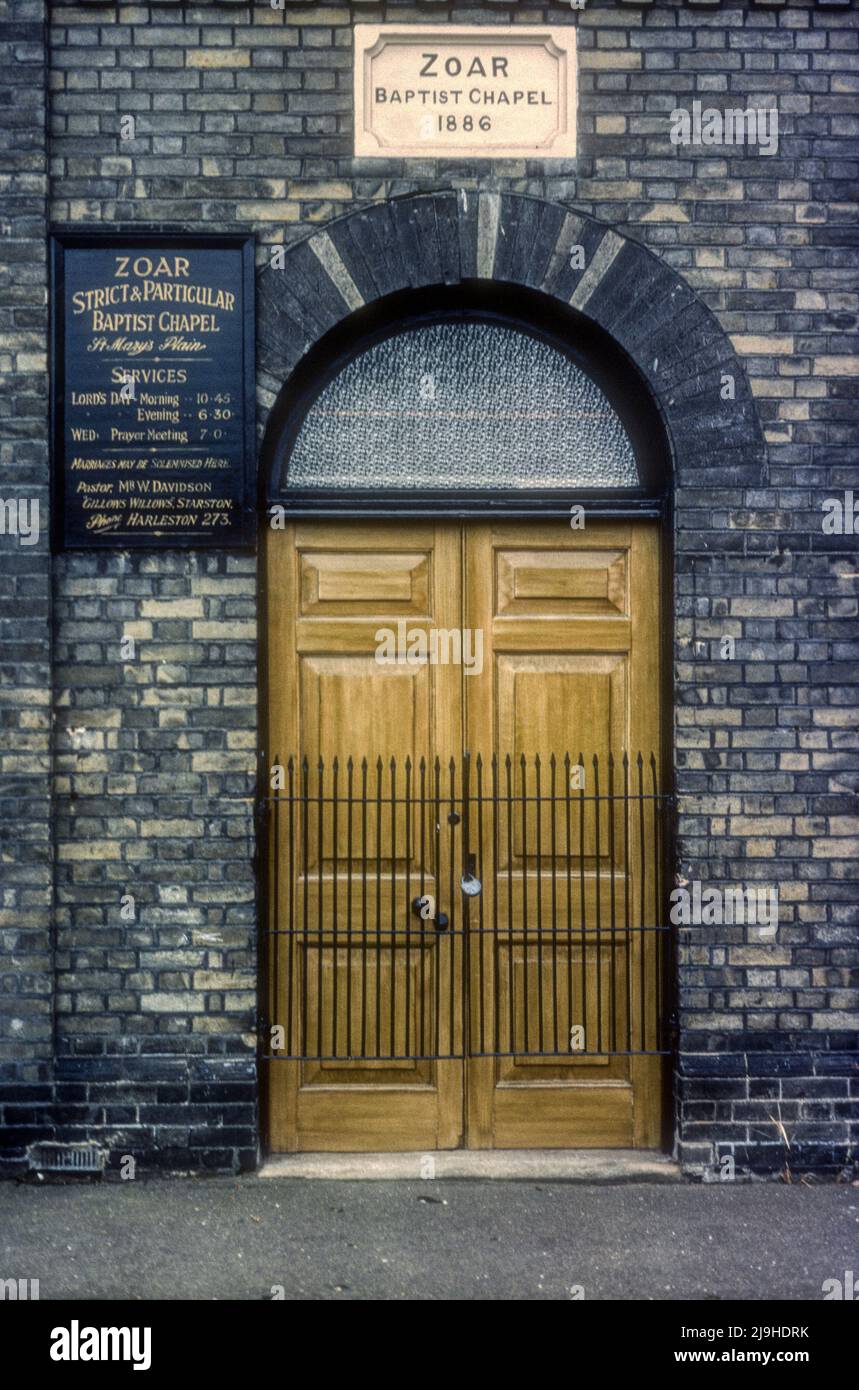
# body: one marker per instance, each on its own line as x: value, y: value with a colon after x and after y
x: 152, y: 390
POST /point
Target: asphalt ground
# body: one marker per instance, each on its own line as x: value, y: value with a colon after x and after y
x: 259, y: 1239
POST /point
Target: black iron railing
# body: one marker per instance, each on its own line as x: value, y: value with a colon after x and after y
x: 506, y: 907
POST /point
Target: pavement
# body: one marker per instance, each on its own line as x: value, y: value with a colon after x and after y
x: 432, y: 1239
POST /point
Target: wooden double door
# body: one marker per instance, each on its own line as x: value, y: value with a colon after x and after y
x: 455, y: 958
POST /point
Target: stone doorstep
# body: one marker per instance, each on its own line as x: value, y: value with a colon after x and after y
x: 555, y: 1165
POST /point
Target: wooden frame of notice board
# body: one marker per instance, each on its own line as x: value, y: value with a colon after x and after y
x: 163, y: 468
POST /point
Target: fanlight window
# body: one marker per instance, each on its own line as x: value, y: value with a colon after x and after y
x: 461, y: 404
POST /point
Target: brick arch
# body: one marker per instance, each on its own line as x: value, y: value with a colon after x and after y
x: 447, y: 237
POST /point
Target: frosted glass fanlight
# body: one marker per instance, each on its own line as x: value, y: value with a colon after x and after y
x: 461, y: 404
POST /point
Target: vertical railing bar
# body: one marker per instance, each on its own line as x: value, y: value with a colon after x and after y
x: 393, y: 964
x: 421, y: 942
x: 350, y: 815
x: 466, y: 1020
x: 320, y: 838
x: 667, y: 970
x: 439, y: 886
x: 568, y: 848
x: 627, y: 893
x: 408, y: 904
x: 538, y: 768
x: 553, y: 824
x: 657, y: 935
x: 364, y: 934
x: 304, y: 1045
x: 496, y: 985
x: 335, y: 969
x: 583, y: 904
x: 526, y: 1000
x: 598, y: 886
x: 290, y: 954
x: 378, y: 1034
x: 480, y: 912
x: 275, y: 938
x: 642, y: 917
x: 389, y: 951
x: 453, y: 905
x: 612, y: 899
x: 511, y: 983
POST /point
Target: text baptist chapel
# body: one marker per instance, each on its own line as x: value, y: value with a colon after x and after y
x: 433, y: 67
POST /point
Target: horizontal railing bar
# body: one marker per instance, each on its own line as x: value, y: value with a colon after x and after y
x: 432, y: 935
x: 314, y: 799
x: 302, y: 761
x: 448, y: 1056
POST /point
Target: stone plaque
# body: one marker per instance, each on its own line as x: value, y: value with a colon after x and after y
x: 453, y: 91
x: 153, y: 390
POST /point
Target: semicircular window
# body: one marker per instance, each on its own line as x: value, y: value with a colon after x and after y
x: 461, y: 404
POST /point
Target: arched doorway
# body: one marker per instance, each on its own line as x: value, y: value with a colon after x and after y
x: 465, y: 585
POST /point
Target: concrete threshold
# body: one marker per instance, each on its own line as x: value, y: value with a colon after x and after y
x: 550, y: 1165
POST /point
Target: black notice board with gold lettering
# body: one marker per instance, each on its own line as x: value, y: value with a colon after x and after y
x: 152, y: 390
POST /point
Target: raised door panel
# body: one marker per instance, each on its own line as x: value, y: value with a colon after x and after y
x: 556, y: 583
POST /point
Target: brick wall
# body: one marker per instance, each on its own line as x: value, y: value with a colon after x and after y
x: 154, y: 768
x: 243, y: 122
x: 26, y: 975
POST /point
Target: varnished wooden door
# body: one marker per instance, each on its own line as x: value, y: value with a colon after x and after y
x: 570, y: 663
x: 330, y: 589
